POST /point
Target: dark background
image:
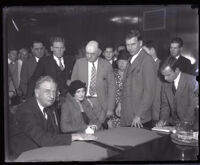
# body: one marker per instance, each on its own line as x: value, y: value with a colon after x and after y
x: 79, y: 24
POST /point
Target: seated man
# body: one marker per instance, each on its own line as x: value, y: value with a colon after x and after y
x: 37, y: 121
x: 178, y: 99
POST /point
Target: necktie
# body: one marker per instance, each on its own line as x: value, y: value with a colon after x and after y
x: 45, y: 113
x: 92, y: 89
x: 61, y: 65
x: 173, y: 88
x: 50, y: 115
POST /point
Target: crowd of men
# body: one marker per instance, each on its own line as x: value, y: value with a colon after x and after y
x: 154, y: 92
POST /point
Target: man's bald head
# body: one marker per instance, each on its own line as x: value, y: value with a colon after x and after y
x: 92, y: 51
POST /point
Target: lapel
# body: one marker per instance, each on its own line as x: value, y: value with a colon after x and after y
x: 51, y: 117
x: 181, y: 85
x: 99, y: 71
x: 54, y: 63
x: 170, y: 93
x: 39, y: 113
x: 136, y: 63
x: 85, y: 70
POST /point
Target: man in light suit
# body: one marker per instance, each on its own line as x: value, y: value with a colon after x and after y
x: 37, y: 123
x: 29, y: 66
x: 139, y: 84
x: 178, y: 101
x: 103, y: 96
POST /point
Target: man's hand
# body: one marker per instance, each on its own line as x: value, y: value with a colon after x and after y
x: 118, y: 110
x: 136, y: 122
x: 161, y: 123
x: 83, y: 137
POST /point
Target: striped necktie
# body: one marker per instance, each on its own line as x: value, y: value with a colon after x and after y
x: 92, y: 89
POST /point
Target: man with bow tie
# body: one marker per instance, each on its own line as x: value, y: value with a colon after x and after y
x: 37, y: 122
x: 178, y: 98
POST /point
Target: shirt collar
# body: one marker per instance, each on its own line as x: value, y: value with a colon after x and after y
x: 135, y: 56
x: 95, y: 63
x: 9, y: 61
x: 177, y: 57
x: 40, y: 106
x: 37, y: 59
x: 57, y: 59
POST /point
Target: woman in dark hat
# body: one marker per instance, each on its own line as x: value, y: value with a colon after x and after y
x: 122, y: 62
x: 76, y: 111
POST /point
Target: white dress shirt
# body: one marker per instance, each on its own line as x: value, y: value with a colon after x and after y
x: 58, y: 62
x: 42, y: 110
x: 135, y: 56
x: 176, y: 81
x: 37, y: 59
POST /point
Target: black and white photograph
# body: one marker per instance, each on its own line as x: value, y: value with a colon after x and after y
x: 101, y: 83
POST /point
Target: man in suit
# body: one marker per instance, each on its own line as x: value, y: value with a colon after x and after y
x: 98, y: 75
x: 37, y: 122
x: 29, y: 66
x: 151, y: 48
x: 13, y: 72
x: 57, y: 66
x: 139, y: 84
x: 178, y: 99
x: 176, y: 47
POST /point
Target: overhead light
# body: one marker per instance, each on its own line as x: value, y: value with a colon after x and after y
x: 125, y: 19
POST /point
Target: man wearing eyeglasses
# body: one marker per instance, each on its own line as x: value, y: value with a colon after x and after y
x: 98, y: 75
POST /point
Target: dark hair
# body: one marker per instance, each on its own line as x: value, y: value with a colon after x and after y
x: 134, y: 33
x: 169, y: 62
x: 108, y: 46
x: 44, y: 79
x: 37, y: 41
x: 177, y: 40
x: 56, y: 39
x: 76, y: 84
x: 123, y: 55
x: 150, y: 44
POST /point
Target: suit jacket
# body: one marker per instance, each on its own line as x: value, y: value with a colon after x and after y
x: 28, y: 67
x: 157, y: 99
x: 34, y: 130
x: 13, y: 73
x: 71, y: 117
x: 186, y: 66
x: 48, y: 66
x: 138, y: 89
x: 105, y: 82
x: 184, y: 101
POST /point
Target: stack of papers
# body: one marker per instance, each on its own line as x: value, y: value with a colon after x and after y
x: 166, y: 129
